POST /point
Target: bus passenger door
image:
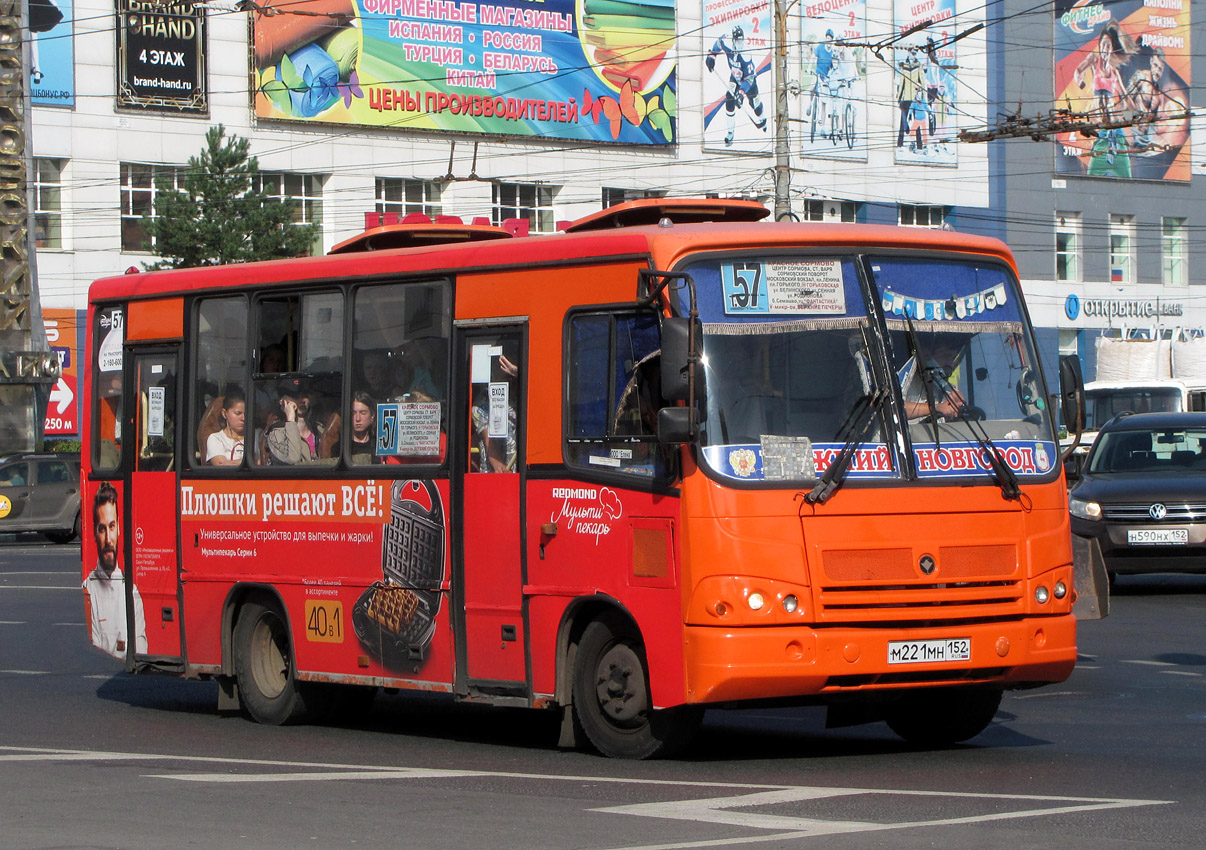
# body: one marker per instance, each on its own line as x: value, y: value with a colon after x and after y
x: 152, y: 516
x: 491, y: 634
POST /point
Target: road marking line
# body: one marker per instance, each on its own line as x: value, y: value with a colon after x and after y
x: 1148, y: 663
x: 12, y: 623
x: 1180, y: 673
x: 714, y: 811
x: 24, y: 672
x: 74, y: 587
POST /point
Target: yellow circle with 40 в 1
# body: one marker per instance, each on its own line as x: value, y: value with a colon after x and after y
x: 6, y: 506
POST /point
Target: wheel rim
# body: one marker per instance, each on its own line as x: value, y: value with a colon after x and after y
x: 620, y: 687
x: 269, y: 658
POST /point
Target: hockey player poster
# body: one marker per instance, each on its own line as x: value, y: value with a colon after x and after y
x: 738, y: 91
x: 834, y: 80
x: 1124, y: 67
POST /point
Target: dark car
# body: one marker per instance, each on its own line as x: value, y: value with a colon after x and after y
x: 1142, y: 493
x: 40, y: 492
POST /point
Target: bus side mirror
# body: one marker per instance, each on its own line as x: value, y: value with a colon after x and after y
x: 676, y: 358
x: 674, y: 425
x: 1073, y: 466
x: 1072, y: 393
x: 1072, y: 400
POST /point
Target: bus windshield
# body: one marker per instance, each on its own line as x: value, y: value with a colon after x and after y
x: 795, y: 368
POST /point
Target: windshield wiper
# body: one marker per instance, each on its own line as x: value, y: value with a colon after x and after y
x: 862, y: 415
x: 1002, y: 471
x: 926, y: 373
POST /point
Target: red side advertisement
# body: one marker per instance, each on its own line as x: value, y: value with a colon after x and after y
x: 361, y: 567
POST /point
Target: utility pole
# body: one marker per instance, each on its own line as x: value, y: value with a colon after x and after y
x: 782, y: 148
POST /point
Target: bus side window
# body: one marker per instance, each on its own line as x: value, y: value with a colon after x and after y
x: 401, y: 334
x: 107, y: 389
x: 614, y: 394
x: 219, y: 403
x: 296, y: 408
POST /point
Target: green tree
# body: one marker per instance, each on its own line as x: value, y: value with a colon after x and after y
x: 218, y: 217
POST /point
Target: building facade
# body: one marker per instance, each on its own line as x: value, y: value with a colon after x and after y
x: 493, y: 110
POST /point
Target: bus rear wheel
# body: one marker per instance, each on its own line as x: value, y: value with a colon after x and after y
x: 943, y: 716
x: 264, y: 666
x: 611, y: 696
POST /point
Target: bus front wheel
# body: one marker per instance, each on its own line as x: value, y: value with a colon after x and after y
x: 611, y: 696
x: 264, y: 666
x: 943, y: 716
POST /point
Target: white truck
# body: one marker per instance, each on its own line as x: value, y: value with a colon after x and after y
x: 1141, y: 376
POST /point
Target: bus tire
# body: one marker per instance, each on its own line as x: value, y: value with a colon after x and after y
x: 264, y: 666
x: 611, y: 696
x: 943, y: 716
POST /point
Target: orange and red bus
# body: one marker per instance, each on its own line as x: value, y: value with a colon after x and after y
x: 674, y: 457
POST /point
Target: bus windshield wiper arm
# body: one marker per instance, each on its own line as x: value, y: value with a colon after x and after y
x: 861, y: 418
x: 1002, y: 471
x: 927, y: 377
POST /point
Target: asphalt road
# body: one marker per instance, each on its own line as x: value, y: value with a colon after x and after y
x: 93, y: 758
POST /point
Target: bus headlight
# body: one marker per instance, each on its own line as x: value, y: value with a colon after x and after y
x: 790, y: 603
x: 756, y: 601
x: 1041, y: 595
x: 1083, y: 509
x: 1061, y: 590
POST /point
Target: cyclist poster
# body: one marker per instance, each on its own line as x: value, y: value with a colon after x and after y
x: 738, y: 90
x: 925, y: 82
x: 833, y: 82
x: 1125, y: 63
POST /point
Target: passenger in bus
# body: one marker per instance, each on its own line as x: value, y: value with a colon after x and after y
x: 105, y: 585
x: 377, y: 377
x: 291, y: 440
x: 940, y: 354
x: 363, y: 418
x: 225, y: 446
x: 414, y: 369
x: 496, y: 453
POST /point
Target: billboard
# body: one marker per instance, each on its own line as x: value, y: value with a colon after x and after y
x: 161, y: 56
x: 738, y: 94
x: 834, y: 79
x: 52, y: 52
x: 62, y: 413
x: 1124, y: 62
x: 592, y: 70
x: 926, y: 82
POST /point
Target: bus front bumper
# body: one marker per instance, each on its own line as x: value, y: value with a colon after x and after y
x: 736, y: 665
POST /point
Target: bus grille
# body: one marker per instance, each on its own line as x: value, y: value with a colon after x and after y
x: 969, y: 582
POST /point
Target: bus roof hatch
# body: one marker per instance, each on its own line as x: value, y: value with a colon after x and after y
x: 678, y: 210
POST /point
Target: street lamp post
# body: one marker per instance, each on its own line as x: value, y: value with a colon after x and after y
x: 782, y: 149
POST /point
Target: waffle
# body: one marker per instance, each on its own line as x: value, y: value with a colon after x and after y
x: 392, y: 608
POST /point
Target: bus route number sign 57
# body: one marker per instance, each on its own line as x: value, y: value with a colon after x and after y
x: 928, y: 651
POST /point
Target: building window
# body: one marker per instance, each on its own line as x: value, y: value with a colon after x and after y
x: 819, y: 209
x: 139, y: 186
x: 922, y: 215
x: 396, y: 195
x: 1122, y: 249
x: 47, y: 198
x: 524, y: 200
x: 1172, y: 251
x: 612, y: 196
x: 1067, y: 246
x: 305, y: 189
